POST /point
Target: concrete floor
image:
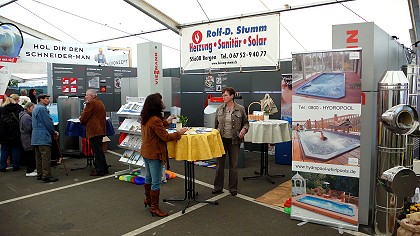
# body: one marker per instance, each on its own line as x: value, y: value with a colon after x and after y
x: 79, y: 204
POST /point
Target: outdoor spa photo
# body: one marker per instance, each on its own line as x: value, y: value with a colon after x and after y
x: 330, y: 140
x: 325, y: 77
x: 326, y: 197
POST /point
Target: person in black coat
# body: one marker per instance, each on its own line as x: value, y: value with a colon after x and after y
x: 32, y: 96
x: 10, y: 132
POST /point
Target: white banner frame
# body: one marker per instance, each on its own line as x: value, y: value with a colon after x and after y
x: 323, y: 110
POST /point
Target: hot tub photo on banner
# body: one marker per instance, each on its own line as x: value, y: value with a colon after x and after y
x: 326, y: 108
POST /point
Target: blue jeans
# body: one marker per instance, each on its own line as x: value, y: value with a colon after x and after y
x: 6, y: 150
x: 153, y: 172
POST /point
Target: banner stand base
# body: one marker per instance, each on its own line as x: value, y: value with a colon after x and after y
x: 339, y: 226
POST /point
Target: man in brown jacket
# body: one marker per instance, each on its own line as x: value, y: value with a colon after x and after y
x: 94, y: 117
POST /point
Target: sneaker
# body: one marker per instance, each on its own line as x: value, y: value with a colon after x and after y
x: 49, y: 179
x: 32, y: 174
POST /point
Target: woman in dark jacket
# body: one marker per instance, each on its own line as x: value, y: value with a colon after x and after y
x: 153, y: 148
x: 9, y: 132
x: 32, y: 95
x: 25, y: 118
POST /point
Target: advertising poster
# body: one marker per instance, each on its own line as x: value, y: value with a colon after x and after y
x: 209, y: 83
x: 118, y: 73
x: 100, y: 79
x: 68, y: 80
x: 220, y: 81
x: 326, y: 105
x: 245, y: 42
x: 215, y: 82
x: 11, y: 42
x: 74, y: 80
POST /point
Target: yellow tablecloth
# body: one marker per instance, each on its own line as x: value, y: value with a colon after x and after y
x: 269, y: 131
x: 195, y: 147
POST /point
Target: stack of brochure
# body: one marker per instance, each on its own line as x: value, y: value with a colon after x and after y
x: 131, y: 141
x: 132, y: 157
x: 130, y: 125
x: 131, y: 108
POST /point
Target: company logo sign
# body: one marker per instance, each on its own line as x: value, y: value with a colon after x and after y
x: 235, y: 43
x: 156, y: 71
x: 352, y: 38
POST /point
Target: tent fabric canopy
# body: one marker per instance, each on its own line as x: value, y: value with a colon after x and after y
x: 119, y: 24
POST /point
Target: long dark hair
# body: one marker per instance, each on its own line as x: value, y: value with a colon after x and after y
x: 153, y: 106
x: 32, y: 96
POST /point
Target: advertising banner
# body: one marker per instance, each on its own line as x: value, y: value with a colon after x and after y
x: 37, y: 50
x: 6, y: 65
x: 69, y: 80
x: 246, y: 42
x: 326, y: 108
x: 11, y: 42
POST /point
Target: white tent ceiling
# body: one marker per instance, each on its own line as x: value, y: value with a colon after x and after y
x: 101, y: 22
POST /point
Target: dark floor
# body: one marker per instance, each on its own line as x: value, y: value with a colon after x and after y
x: 79, y: 204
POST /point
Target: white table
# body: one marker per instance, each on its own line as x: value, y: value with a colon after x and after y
x: 264, y: 133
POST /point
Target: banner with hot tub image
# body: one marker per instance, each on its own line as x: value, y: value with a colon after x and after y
x: 326, y: 108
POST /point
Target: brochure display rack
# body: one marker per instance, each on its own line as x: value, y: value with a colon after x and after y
x: 132, y: 142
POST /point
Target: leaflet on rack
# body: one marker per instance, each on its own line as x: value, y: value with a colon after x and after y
x: 126, y: 155
x: 132, y: 158
x: 132, y: 141
x: 130, y: 125
x: 131, y: 108
x: 140, y: 162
